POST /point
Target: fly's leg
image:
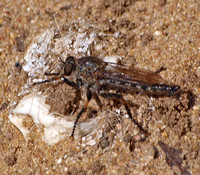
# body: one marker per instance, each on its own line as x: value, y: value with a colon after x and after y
x: 56, y: 74
x: 57, y: 77
x: 89, y: 97
x: 98, y: 101
x: 119, y: 96
x: 70, y: 83
x: 65, y: 80
x: 160, y: 70
x: 47, y: 80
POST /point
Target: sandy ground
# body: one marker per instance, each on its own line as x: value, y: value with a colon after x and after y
x: 146, y: 34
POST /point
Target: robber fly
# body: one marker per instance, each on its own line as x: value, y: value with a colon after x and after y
x: 99, y: 78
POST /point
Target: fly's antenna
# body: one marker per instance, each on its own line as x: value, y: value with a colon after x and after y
x: 61, y: 60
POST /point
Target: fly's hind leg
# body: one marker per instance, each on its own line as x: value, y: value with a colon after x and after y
x: 160, y: 70
x: 119, y: 96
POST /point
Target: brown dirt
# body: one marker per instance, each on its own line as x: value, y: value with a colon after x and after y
x: 152, y: 34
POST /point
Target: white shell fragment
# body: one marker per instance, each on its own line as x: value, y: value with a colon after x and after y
x: 18, y: 122
x: 112, y: 59
x: 37, y: 52
x: 55, y: 128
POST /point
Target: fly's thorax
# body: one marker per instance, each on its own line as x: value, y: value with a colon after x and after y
x: 88, y: 65
x: 84, y: 75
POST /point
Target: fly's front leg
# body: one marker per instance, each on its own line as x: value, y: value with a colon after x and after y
x: 70, y: 83
x: 57, y: 77
x: 119, y: 96
x: 48, y: 80
x: 89, y: 97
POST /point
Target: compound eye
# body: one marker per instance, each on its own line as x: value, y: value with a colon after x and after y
x: 69, y: 65
x: 70, y: 59
x: 68, y: 69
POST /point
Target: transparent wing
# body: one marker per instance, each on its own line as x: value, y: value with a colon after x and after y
x: 132, y: 74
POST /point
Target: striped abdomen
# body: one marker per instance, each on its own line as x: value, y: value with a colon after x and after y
x: 119, y: 84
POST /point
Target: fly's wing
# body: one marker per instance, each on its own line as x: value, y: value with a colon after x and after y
x: 131, y: 74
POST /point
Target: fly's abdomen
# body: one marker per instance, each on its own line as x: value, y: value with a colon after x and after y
x: 154, y: 89
x: 163, y: 88
x: 124, y: 85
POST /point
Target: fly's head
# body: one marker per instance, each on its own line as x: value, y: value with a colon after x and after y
x: 69, y: 66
